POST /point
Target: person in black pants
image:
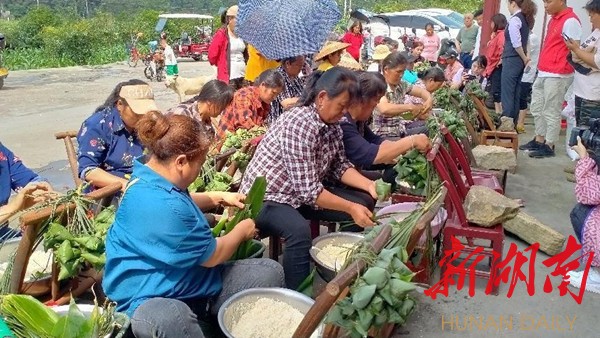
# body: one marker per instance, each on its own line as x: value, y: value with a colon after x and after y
x: 366, y: 150
x: 308, y: 175
x: 514, y: 56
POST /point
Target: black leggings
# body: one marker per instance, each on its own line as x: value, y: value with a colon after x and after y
x: 496, y: 83
x: 292, y: 225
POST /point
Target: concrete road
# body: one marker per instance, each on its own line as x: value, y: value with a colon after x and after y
x: 36, y: 104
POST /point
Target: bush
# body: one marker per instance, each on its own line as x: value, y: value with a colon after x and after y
x: 41, y: 40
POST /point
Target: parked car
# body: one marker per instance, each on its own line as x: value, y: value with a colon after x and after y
x: 443, y: 14
x: 412, y: 22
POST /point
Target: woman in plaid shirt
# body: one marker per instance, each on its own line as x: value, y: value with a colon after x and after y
x: 301, y: 152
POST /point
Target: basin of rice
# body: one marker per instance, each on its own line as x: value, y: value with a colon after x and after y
x: 331, y: 251
x: 333, y: 255
x: 264, y: 313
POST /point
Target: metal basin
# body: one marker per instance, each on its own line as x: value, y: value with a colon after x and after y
x: 337, y: 238
x: 231, y: 311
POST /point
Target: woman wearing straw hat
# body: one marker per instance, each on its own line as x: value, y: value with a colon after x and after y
x: 380, y: 53
x: 330, y: 54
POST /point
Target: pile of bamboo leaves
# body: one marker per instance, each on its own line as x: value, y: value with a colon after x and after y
x: 253, y: 205
x: 27, y: 317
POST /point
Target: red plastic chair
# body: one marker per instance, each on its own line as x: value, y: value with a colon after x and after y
x: 472, y: 177
x: 457, y: 224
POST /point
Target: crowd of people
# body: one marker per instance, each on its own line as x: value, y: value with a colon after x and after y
x: 331, y: 132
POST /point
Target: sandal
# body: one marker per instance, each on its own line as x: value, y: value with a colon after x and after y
x: 520, y: 130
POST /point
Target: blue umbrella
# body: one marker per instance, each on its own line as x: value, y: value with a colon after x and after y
x: 286, y: 28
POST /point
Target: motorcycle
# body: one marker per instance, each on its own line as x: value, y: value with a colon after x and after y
x: 155, y: 67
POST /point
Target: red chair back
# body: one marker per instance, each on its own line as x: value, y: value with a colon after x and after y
x: 454, y: 199
x: 458, y: 153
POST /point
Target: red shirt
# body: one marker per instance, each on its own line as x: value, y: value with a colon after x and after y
x: 493, y: 52
x: 246, y: 110
x: 553, y: 56
x: 218, y: 54
x: 355, y: 41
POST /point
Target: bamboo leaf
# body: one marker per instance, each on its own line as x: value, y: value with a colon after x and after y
x: 256, y: 196
x: 73, y: 325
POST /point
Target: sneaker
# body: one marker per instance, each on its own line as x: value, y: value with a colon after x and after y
x: 592, y: 283
x: 543, y: 151
x: 531, y: 145
x: 573, y: 275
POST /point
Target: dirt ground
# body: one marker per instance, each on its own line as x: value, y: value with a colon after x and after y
x: 36, y: 104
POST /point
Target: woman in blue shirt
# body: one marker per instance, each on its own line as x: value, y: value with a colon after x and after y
x: 163, y: 266
x: 107, y: 141
x: 15, y: 176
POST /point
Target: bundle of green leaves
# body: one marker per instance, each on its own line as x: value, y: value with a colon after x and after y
x: 253, y: 205
x: 237, y: 140
x: 412, y: 172
x: 452, y: 120
x: 378, y: 297
x: 72, y: 251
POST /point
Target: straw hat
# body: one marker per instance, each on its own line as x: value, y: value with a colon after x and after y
x: 381, y: 52
x: 347, y: 61
x: 233, y: 11
x: 330, y: 48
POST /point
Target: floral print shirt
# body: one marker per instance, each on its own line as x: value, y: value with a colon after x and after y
x: 14, y: 175
x: 105, y: 143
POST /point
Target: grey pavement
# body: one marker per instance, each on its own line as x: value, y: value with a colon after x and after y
x: 36, y: 104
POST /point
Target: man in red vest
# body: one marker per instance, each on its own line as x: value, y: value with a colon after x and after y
x: 555, y: 75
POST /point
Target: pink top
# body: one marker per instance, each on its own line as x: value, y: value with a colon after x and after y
x: 587, y: 191
x: 431, y: 45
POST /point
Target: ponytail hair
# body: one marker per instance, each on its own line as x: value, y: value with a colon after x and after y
x: 435, y: 74
x: 529, y: 9
x: 216, y: 92
x: 334, y: 82
x: 168, y: 136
